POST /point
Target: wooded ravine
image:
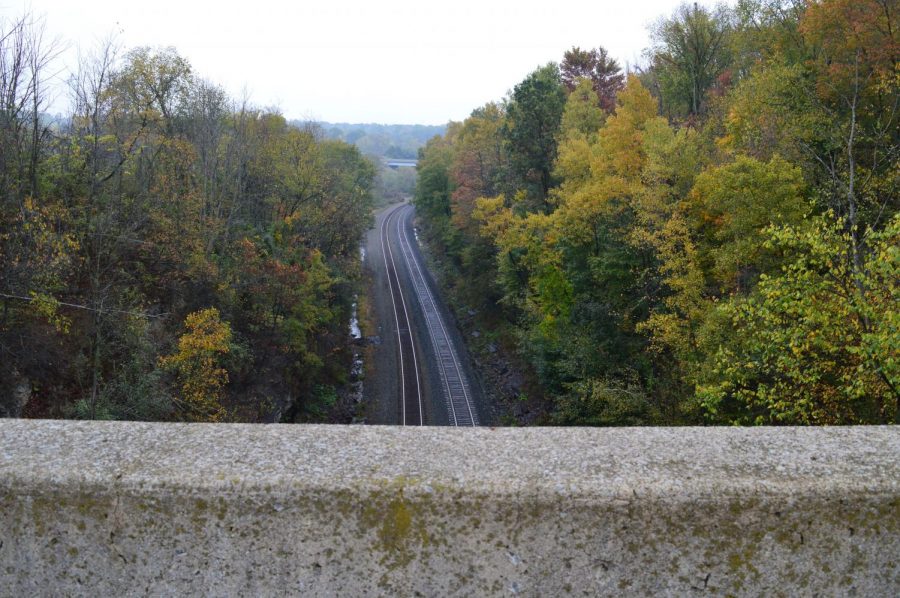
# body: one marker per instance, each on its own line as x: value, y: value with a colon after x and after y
x: 711, y: 237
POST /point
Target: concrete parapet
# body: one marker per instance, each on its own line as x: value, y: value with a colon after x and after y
x: 162, y: 509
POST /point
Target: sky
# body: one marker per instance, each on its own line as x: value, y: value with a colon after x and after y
x: 393, y: 62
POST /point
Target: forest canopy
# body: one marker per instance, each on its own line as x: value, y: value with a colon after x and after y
x: 167, y: 252
x: 713, y: 238
x: 710, y: 237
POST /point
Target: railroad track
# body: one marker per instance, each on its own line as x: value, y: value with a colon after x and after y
x: 455, y: 385
x: 411, y: 408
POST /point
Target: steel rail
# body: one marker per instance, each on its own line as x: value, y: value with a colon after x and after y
x: 385, y: 226
x: 434, y: 342
x: 441, y: 341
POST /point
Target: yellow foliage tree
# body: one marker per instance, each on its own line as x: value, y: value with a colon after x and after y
x: 198, y: 365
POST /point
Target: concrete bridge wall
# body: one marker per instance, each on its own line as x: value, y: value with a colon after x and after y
x: 161, y: 509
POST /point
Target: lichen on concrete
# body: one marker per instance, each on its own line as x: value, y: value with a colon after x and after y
x: 129, y: 508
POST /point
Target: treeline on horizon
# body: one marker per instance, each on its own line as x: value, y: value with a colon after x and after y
x: 713, y: 238
x: 386, y: 141
x: 167, y: 252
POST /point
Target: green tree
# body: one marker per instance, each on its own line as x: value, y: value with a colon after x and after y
x: 732, y: 205
x: 433, y: 186
x: 581, y: 115
x: 533, y: 115
x: 811, y: 346
x: 689, y: 53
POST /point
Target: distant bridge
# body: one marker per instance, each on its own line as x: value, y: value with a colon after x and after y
x: 396, y: 163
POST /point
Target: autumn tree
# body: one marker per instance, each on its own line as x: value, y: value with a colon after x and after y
x: 334, y: 223
x: 581, y: 122
x: 855, y: 67
x: 138, y: 213
x: 728, y: 260
x: 198, y: 365
x: 479, y: 164
x: 599, y: 68
x: 155, y: 84
x: 732, y: 205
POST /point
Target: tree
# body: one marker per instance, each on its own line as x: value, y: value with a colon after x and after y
x: 732, y: 205
x: 596, y: 66
x: 812, y: 346
x: 433, y: 186
x: 766, y: 31
x: 299, y: 175
x: 581, y: 121
x: 335, y: 223
x: 857, y: 48
x: 478, y: 166
x: 689, y: 53
x: 581, y: 116
x: 25, y: 56
x: 772, y: 112
x: 158, y: 81
x: 198, y: 365
x: 131, y: 216
x: 533, y: 115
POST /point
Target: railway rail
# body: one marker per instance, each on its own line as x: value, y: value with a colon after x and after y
x: 454, y: 383
x: 412, y: 296
x: 411, y: 406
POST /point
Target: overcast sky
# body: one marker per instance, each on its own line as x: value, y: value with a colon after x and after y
x: 399, y: 61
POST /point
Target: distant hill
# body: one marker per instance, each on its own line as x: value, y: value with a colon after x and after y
x: 386, y: 141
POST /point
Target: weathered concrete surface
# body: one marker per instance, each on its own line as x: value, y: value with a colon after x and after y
x: 134, y: 509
